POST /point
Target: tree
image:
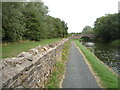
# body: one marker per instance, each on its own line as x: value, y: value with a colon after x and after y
x: 65, y: 28
x: 106, y: 28
x: 12, y: 23
x: 29, y: 20
x: 86, y: 28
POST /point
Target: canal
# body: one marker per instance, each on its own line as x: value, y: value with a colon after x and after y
x: 110, y: 55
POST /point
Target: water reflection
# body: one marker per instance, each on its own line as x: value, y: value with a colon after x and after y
x: 105, y: 52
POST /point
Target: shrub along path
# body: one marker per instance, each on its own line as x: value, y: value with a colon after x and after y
x: 77, y: 73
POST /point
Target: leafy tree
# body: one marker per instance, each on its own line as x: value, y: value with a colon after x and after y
x: 29, y: 20
x: 12, y: 22
x: 32, y: 22
x: 106, y: 28
x: 65, y: 28
x: 86, y: 28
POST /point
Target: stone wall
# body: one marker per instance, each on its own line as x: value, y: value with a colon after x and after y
x: 31, y: 69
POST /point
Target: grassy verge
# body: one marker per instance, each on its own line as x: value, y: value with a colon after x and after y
x: 58, y: 70
x: 107, y: 78
x: 12, y: 50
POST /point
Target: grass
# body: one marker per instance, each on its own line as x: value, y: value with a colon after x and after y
x: 58, y: 70
x: 12, y: 50
x: 107, y: 78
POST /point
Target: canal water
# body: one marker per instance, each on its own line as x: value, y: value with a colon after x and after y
x: 110, y: 55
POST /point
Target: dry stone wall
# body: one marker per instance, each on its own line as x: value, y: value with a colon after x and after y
x: 31, y: 69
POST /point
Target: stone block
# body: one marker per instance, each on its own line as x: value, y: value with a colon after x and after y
x: 33, y: 51
x: 26, y: 55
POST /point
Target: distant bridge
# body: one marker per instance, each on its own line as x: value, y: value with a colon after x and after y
x: 79, y: 36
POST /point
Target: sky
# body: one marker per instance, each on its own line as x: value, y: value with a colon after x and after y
x: 79, y: 13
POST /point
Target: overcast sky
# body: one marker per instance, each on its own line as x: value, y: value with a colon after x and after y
x: 79, y: 13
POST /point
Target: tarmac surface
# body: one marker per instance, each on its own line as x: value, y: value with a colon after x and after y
x: 77, y: 73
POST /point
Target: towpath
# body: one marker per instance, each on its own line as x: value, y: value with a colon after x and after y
x: 77, y: 73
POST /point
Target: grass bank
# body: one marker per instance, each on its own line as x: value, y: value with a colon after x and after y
x: 107, y: 78
x: 58, y: 70
x: 12, y: 50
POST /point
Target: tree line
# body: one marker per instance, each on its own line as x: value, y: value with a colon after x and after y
x: 87, y: 30
x: 30, y: 21
x: 106, y: 28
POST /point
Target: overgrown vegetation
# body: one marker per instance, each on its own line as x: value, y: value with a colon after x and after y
x: 107, y: 78
x: 107, y: 28
x: 30, y: 21
x: 87, y: 30
x: 116, y: 43
x: 12, y: 50
x: 58, y: 70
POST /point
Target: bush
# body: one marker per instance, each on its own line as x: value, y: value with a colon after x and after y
x: 116, y: 43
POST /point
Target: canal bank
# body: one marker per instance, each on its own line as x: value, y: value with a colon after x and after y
x: 107, y: 53
x: 107, y: 78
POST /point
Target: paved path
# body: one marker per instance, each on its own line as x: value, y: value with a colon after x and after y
x: 77, y: 73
